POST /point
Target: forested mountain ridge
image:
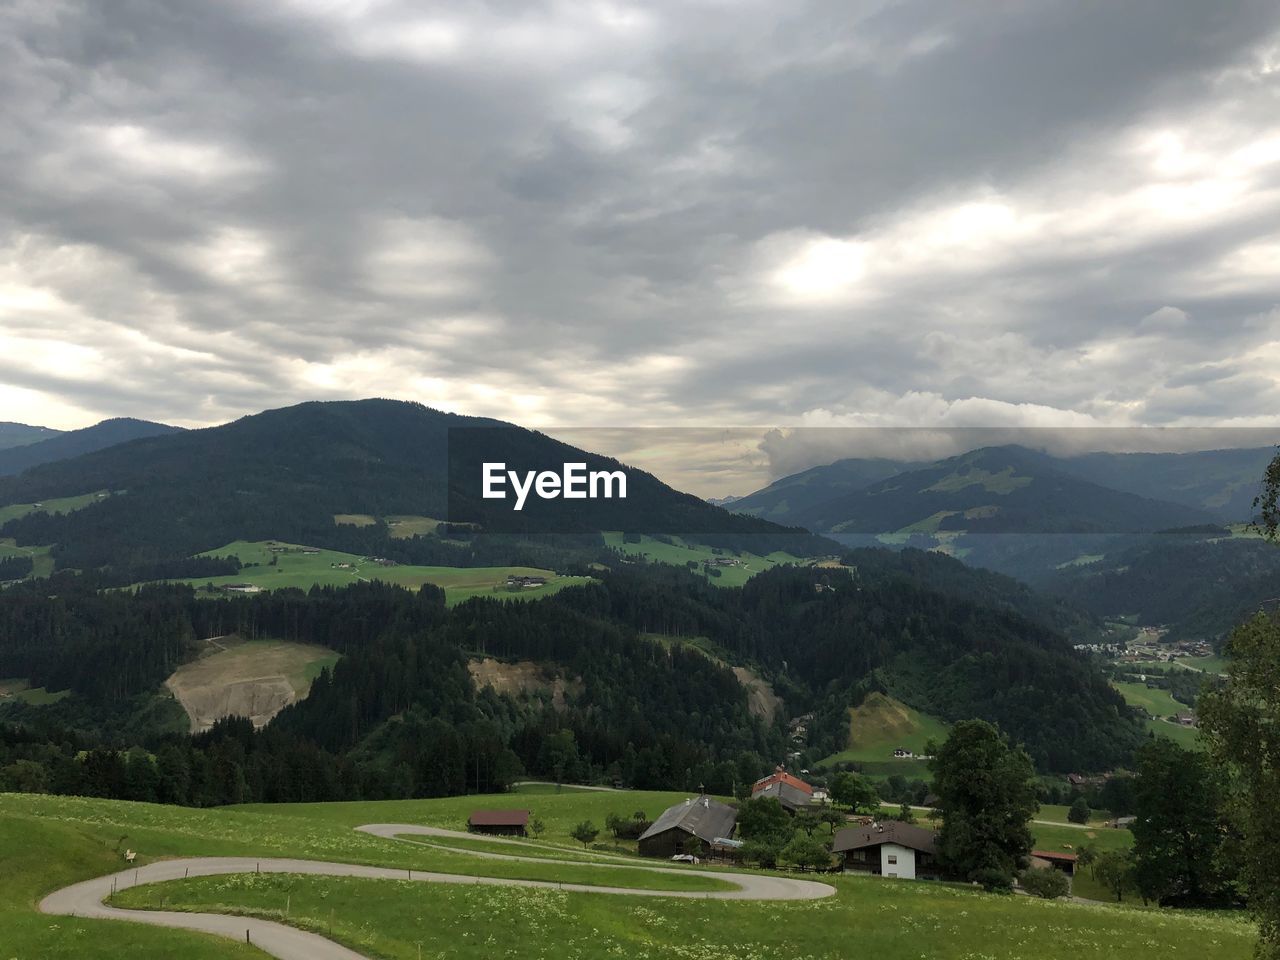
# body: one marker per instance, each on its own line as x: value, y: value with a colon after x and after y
x: 19, y: 434
x: 783, y: 499
x: 995, y: 490
x: 74, y: 443
x: 399, y: 715
x: 285, y: 474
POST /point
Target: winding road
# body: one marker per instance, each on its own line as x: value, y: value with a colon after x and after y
x: 85, y: 899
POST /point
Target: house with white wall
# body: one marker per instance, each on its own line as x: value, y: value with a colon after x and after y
x: 889, y: 849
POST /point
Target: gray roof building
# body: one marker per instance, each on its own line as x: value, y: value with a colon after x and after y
x: 891, y: 831
x: 703, y: 818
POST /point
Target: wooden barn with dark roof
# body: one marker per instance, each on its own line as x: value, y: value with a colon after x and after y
x: 505, y: 822
x: 688, y: 827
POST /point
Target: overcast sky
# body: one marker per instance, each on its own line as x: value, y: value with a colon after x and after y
x: 602, y: 214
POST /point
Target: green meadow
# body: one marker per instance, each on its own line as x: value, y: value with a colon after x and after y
x: 292, y: 567
x: 1160, y: 704
x: 41, y: 557
x: 13, y: 511
x: 679, y: 552
x: 48, y: 842
x: 878, y: 726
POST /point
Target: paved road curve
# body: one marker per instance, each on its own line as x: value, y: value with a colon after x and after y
x: 85, y: 899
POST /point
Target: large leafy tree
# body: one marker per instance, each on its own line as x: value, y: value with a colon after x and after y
x: 1180, y: 830
x: 1242, y: 724
x: 986, y: 790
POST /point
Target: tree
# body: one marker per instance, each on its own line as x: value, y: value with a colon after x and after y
x: 1048, y: 884
x: 559, y: 753
x: 806, y: 852
x: 1085, y: 856
x: 852, y: 790
x: 585, y: 832
x: 536, y: 827
x: 764, y: 851
x: 986, y: 789
x: 1242, y: 724
x: 1179, y: 834
x: 1115, y: 871
x: 1079, y: 812
x: 906, y: 814
x: 832, y: 818
x: 762, y: 818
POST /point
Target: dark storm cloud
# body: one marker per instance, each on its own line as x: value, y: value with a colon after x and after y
x: 832, y: 213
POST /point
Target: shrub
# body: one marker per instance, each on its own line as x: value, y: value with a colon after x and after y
x: 1047, y: 884
x: 993, y: 880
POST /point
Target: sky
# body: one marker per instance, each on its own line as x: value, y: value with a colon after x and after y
x: 707, y: 213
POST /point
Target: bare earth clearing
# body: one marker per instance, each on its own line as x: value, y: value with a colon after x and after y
x: 524, y: 676
x: 255, y: 679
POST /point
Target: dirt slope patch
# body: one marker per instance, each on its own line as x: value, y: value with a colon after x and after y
x: 256, y: 679
x: 761, y: 700
x: 522, y: 677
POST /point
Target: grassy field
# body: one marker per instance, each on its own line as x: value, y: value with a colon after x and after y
x: 18, y: 688
x: 1159, y: 703
x: 1057, y: 812
x: 1207, y: 664
x: 47, y: 842
x: 294, y: 568
x: 680, y: 552
x: 879, y: 725
x: 41, y: 558
x: 57, y: 505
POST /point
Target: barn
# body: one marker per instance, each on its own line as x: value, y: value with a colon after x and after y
x: 688, y: 827
x: 508, y: 822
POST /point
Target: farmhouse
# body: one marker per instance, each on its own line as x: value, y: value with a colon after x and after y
x: 689, y: 827
x: 242, y: 588
x: 507, y: 822
x: 1052, y: 860
x: 1185, y: 718
x: 891, y: 849
x: 792, y: 792
x: 519, y: 581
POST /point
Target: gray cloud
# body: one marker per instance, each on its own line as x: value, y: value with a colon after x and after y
x: 825, y: 214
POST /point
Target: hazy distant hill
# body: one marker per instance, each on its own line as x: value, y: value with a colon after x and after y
x: 784, y: 499
x: 1223, y: 482
x: 20, y: 434
x: 994, y: 490
x: 286, y: 473
x: 74, y: 443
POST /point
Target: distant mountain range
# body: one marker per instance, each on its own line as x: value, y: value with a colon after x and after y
x: 73, y: 443
x: 20, y: 434
x: 1022, y: 489
x: 286, y: 474
x: 993, y: 490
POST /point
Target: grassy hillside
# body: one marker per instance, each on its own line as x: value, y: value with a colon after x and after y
x: 1160, y: 705
x: 54, y: 505
x: 41, y: 558
x: 295, y: 568
x: 881, y: 724
x: 679, y: 552
x: 49, y: 842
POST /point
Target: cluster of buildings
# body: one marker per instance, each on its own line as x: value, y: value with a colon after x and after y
x: 520, y: 582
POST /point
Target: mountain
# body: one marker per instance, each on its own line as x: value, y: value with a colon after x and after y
x: 74, y: 443
x: 1222, y: 482
x: 20, y: 434
x: 285, y: 474
x: 782, y: 500
x: 994, y: 490
x: 1199, y: 587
